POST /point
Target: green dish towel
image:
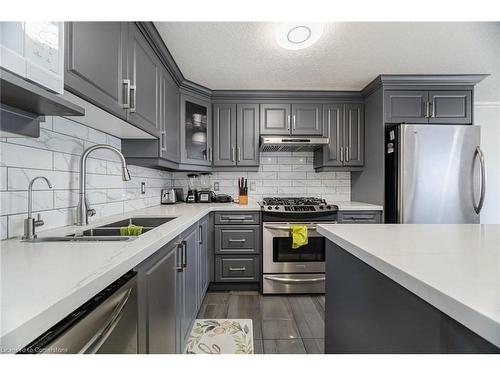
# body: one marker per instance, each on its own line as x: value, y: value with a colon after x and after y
x: 131, y: 230
x: 299, y: 235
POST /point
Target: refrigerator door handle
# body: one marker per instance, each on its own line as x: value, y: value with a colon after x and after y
x: 479, y: 153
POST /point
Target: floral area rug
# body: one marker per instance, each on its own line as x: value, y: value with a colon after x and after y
x: 221, y: 336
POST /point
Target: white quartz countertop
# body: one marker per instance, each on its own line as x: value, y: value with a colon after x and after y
x: 455, y: 268
x: 43, y: 282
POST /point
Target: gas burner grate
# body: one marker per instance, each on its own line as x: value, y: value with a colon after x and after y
x: 299, y: 208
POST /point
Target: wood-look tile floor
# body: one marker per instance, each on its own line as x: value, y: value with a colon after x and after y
x: 282, y: 324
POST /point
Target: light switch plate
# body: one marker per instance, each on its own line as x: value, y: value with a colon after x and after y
x: 253, y: 187
x: 216, y: 186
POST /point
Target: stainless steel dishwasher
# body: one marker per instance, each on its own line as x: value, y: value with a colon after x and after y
x: 105, y: 324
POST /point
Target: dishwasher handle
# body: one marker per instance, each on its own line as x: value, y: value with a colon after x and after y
x: 107, y: 328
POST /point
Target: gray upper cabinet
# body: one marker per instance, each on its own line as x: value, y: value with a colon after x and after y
x: 433, y: 107
x: 286, y: 119
x: 236, y: 135
x: 144, y: 74
x: 332, y: 154
x: 196, y: 131
x: 353, y: 135
x: 307, y: 119
x: 158, y: 296
x: 224, y: 141
x: 247, y: 133
x: 275, y: 119
x: 454, y: 107
x: 96, y: 63
x: 405, y: 106
x: 344, y: 126
x: 169, y: 118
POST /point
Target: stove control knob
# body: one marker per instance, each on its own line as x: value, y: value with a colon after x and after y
x: 328, y: 207
x: 277, y: 207
x: 321, y: 207
x: 269, y: 208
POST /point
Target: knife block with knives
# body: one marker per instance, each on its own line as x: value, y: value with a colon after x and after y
x: 243, y: 190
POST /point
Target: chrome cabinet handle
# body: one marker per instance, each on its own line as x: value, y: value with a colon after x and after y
x: 179, y: 267
x: 433, y: 108
x: 163, y: 140
x: 93, y: 345
x: 239, y: 154
x: 288, y: 121
x: 210, y: 154
x: 126, y: 94
x: 233, y: 153
x: 341, y: 153
x: 346, y: 154
x: 133, y: 88
x: 184, y: 254
x: 427, y: 109
x: 237, y: 240
x: 294, y: 123
x: 287, y: 280
x: 236, y: 217
x: 237, y: 268
x: 479, y: 206
x: 200, y: 233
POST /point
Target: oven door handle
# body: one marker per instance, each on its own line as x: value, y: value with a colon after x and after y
x: 285, y: 227
x: 287, y: 280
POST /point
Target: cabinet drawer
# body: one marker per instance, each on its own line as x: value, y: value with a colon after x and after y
x: 235, y: 268
x: 237, y: 239
x: 237, y: 217
x: 362, y: 217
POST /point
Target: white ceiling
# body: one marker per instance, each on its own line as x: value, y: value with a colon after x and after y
x: 244, y: 55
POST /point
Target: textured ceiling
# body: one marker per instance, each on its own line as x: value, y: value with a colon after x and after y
x: 244, y: 55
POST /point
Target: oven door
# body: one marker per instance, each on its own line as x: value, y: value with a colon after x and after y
x: 279, y: 257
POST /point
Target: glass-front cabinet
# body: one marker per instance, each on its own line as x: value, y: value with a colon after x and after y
x: 196, y: 135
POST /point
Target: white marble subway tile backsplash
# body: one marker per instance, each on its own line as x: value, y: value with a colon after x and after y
x: 285, y: 174
x: 56, y: 155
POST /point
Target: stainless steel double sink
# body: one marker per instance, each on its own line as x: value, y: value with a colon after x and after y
x: 109, y: 232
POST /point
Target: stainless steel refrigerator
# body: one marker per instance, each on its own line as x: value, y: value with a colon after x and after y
x: 433, y: 174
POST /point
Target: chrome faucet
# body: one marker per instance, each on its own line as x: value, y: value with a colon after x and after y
x: 82, y: 210
x: 30, y: 223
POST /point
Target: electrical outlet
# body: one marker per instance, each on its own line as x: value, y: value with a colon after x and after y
x: 143, y: 188
x: 253, y: 186
x: 216, y: 186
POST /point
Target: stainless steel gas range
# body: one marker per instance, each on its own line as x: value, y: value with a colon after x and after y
x: 287, y: 270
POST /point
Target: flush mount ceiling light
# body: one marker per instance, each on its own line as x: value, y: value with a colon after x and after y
x: 298, y: 35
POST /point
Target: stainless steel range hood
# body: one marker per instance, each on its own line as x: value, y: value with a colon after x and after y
x: 291, y: 143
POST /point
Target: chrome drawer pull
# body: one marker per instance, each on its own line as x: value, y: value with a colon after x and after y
x: 236, y: 217
x: 286, y: 280
x: 237, y: 241
x: 237, y: 268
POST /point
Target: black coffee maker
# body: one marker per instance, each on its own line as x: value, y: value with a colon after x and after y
x: 193, y: 183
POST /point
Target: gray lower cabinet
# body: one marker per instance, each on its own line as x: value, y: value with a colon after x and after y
x: 189, y: 281
x: 236, y: 134
x: 159, y: 298
x: 203, y: 258
x: 237, y: 247
x: 96, y: 63
x: 433, y: 107
x: 344, y: 126
x: 171, y: 286
x: 359, y: 217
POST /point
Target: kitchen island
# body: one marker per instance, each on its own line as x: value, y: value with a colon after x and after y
x: 411, y: 288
